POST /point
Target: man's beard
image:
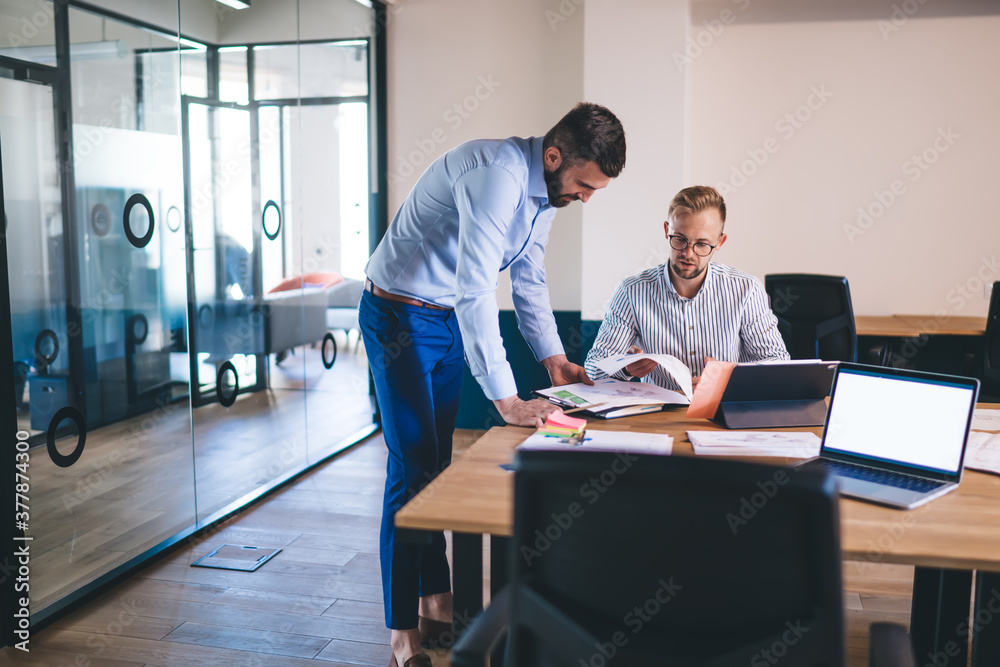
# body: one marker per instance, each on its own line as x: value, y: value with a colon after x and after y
x: 553, y: 183
x: 677, y: 271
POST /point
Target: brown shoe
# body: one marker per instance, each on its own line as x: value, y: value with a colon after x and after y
x: 419, y: 660
x: 435, y: 634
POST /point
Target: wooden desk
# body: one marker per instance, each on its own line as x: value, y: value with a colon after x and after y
x: 913, y: 326
x: 885, y: 326
x: 947, y: 539
x: 954, y: 325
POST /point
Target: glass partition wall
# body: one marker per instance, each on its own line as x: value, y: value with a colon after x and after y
x: 186, y: 202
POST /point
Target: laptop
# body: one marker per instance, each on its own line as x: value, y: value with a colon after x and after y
x: 896, y: 437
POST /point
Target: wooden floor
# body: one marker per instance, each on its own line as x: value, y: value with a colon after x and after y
x: 143, y: 479
x: 319, y: 600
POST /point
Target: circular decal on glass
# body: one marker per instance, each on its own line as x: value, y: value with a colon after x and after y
x: 40, y: 346
x: 271, y: 220
x: 133, y: 238
x: 138, y: 328
x: 225, y: 400
x: 100, y: 219
x: 72, y: 414
x: 333, y: 357
x: 173, y: 219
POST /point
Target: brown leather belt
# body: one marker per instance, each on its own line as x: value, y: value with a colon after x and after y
x: 382, y: 294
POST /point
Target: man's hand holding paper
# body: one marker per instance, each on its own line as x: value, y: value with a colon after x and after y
x: 674, y: 366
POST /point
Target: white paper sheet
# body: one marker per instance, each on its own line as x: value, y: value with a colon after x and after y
x: 613, y: 393
x: 986, y: 420
x: 674, y: 366
x: 793, y: 445
x: 983, y: 452
x: 605, y: 441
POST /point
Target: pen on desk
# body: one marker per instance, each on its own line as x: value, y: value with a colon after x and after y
x: 585, y: 407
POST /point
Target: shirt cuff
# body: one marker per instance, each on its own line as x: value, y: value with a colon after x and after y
x: 548, y: 347
x: 498, y: 385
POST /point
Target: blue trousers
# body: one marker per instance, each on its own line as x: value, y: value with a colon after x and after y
x: 417, y: 362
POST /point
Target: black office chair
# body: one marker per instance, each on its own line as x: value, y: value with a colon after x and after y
x: 991, y: 350
x: 654, y: 560
x: 816, y: 318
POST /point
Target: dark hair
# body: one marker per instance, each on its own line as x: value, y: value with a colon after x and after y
x: 590, y: 132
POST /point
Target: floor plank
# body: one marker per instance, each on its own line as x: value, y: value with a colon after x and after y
x: 257, y: 641
x: 319, y: 602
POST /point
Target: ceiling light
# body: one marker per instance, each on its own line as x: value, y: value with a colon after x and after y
x: 77, y: 51
x: 236, y: 4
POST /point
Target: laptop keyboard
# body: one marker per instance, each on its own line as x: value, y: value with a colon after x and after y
x: 896, y: 479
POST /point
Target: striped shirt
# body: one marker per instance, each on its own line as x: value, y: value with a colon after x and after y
x: 729, y: 319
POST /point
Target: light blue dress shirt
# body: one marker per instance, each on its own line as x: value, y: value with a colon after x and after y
x: 480, y: 208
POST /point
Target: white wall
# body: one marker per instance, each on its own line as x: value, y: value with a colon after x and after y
x: 441, y: 52
x: 628, y: 68
x: 698, y: 86
x: 890, y: 91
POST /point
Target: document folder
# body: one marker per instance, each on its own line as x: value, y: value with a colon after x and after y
x: 776, y: 395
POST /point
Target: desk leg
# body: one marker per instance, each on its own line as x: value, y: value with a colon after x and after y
x: 499, y: 577
x: 986, y: 620
x: 467, y: 577
x: 939, y: 610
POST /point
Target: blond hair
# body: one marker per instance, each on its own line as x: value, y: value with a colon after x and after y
x: 696, y: 199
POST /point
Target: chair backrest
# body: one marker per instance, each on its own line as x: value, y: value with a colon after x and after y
x: 991, y: 348
x: 815, y: 316
x: 656, y: 560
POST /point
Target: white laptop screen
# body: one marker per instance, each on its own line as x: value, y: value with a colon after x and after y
x: 912, y: 421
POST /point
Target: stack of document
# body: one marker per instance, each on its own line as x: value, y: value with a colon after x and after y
x: 604, y: 441
x: 986, y: 420
x: 791, y: 445
x: 982, y: 452
x: 612, y: 398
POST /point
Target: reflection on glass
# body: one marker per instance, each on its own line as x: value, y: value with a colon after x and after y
x: 33, y: 209
x: 233, y: 86
x: 330, y: 205
x: 194, y: 72
x: 30, y: 32
x: 138, y: 220
x: 95, y: 324
x: 131, y: 339
x: 333, y: 69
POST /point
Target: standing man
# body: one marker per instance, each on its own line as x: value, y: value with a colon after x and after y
x: 691, y: 307
x: 429, y: 306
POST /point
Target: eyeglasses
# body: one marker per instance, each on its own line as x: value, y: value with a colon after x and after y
x: 700, y: 248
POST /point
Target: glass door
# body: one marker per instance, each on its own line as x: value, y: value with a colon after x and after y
x: 92, y: 209
x: 33, y: 223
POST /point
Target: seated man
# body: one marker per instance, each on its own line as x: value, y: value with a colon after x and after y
x: 690, y: 307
